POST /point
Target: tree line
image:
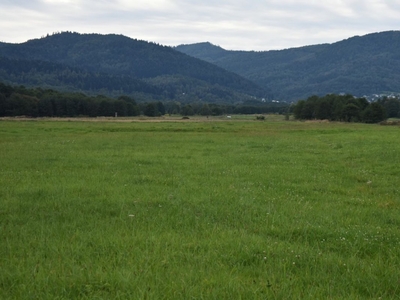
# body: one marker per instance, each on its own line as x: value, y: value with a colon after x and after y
x: 391, y: 105
x: 345, y: 108
x: 19, y: 101
x: 38, y: 102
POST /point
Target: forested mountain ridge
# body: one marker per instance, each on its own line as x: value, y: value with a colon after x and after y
x: 65, y: 78
x: 115, y: 64
x: 360, y: 66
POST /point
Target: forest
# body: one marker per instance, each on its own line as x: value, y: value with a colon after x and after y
x: 360, y: 65
x: 39, y: 102
x: 112, y: 65
x: 344, y: 108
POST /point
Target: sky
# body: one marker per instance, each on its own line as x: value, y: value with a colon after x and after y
x: 232, y: 24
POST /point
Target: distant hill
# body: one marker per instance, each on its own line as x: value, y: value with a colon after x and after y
x: 64, y: 78
x: 115, y: 65
x: 359, y: 65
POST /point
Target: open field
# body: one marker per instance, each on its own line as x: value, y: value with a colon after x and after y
x: 238, y: 209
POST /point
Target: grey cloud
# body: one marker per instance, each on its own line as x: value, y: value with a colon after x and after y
x: 234, y: 24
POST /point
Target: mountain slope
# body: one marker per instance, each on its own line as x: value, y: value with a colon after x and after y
x: 47, y: 74
x: 117, y: 57
x: 359, y: 65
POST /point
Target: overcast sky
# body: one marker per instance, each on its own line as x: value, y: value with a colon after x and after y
x: 231, y: 24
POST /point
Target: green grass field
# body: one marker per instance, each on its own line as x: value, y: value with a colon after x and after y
x: 206, y: 209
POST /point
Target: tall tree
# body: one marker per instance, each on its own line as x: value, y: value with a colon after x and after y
x: 374, y: 113
x: 151, y: 110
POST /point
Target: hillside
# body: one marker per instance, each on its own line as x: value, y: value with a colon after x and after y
x: 359, y: 65
x: 115, y: 64
x: 65, y: 78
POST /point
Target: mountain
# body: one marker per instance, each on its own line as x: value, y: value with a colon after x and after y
x: 65, y: 78
x: 360, y: 66
x: 115, y: 65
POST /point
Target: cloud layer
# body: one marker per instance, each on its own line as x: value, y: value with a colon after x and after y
x: 233, y: 24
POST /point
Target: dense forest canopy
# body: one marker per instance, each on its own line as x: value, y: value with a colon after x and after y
x: 359, y: 66
x: 19, y: 101
x: 345, y: 108
x: 115, y: 64
x: 39, y: 102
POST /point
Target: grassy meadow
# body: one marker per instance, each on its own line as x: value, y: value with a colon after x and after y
x: 203, y: 209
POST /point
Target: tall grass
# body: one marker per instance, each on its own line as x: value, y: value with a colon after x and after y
x: 213, y: 210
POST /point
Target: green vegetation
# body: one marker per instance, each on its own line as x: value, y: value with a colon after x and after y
x: 38, y: 102
x: 391, y: 105
x: 19, y: 101
x: 339, y: 108
x: 359, y: 66
x: 113, y: 65
x: 239, y: 209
